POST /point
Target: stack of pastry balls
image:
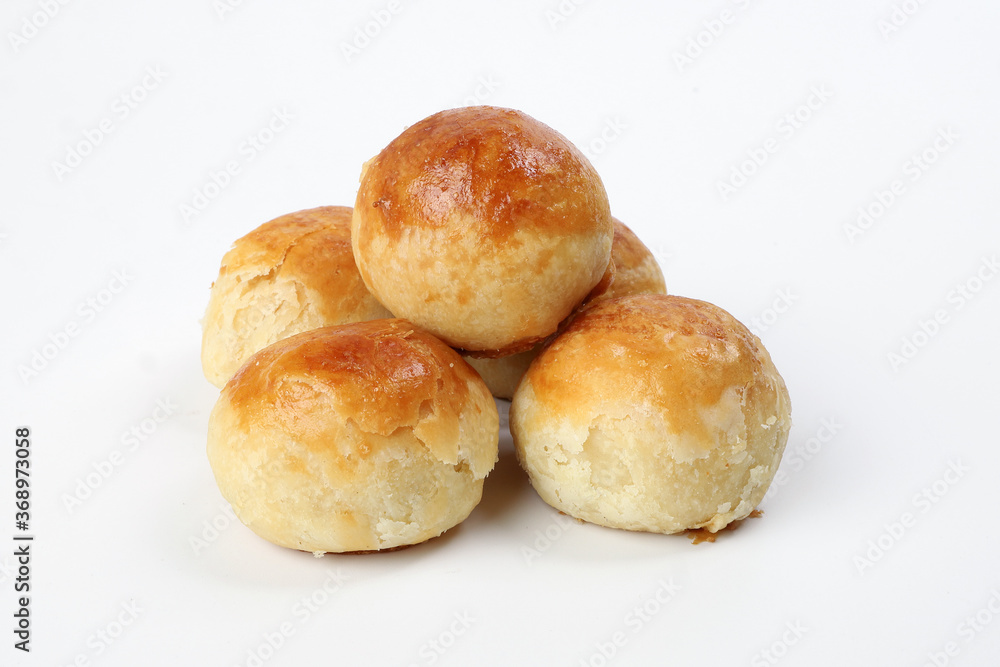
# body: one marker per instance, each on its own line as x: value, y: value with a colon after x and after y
x: 359, y: 352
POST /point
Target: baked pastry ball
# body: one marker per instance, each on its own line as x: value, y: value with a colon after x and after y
x: 292, y: 274
x: 635, y: 271
x: 502, y: 375
x: 356, y: 437
x: 636, y: 268
x: 654, y: 413
x: 483, y: 226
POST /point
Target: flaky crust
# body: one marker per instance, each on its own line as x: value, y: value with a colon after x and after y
x: 292, y: 274
x: 482, y: 225
x: 652, y: 412
x: 357, y: 437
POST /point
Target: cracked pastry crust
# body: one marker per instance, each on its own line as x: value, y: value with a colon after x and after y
x: 654, y: 413
x: 357, y: 437
x: 290, y: 275
x: 484, y: 226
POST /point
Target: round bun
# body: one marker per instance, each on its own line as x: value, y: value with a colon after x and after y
x: 654, y: 413
x: 633, y: 270
x: 357, y: 437
x: 292, y: 274
x: 636, y: 269
x: 502, y: 375
x: 483, y: 226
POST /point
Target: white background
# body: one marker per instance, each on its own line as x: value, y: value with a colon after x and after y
x: 831, y: 557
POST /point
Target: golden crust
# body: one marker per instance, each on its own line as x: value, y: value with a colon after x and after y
x: 637, y: 271
x: 289, y: 275
x: 652, y: 412
x: 355, y: 437
x: 687, y: 337
x: 482, y: 225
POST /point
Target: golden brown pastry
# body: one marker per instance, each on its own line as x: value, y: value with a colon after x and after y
x: 356, y: 437
x: 290, y: 275
x: 654, y: 413
x: 636, y: 268
x: 482, y: 225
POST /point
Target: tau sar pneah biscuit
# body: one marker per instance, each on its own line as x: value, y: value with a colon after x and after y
x: 483, y: 226
x: 652, y: 413
x: 290, y: 275
x: 356, y: 437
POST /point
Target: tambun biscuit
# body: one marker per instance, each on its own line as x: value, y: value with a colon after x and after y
x: 356, y: 437
x: 635, y: 271
x: 484, y: 226
x: 653, y: 413
x: 292, y: 274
